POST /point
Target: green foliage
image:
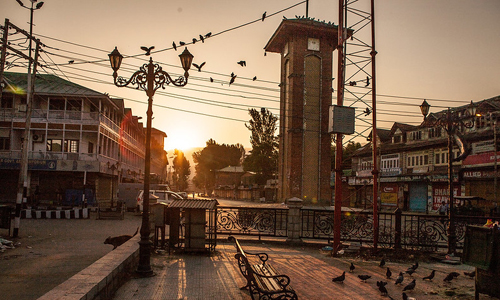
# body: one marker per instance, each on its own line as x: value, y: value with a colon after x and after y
x: 181, y: 170
x: 347, y: 152
x: 212, y: 158
x: 263, y: 159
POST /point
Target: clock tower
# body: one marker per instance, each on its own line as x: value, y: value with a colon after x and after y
x: 304, y: 168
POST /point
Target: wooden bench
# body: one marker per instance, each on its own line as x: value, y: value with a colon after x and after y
x: 262, y: 278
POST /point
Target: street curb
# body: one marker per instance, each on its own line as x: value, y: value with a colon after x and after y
x: 101, y: 279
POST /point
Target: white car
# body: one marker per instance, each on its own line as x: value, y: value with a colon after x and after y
x: 163, y: 197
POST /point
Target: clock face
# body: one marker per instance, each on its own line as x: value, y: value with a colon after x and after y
x: 313, y: 44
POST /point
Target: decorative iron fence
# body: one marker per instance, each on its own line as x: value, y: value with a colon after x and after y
x: 409, y: 231
x: 252, y: 221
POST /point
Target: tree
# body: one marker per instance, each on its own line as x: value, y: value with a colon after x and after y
x: 263, y: 159
x: 181, y: 170
x: 212, y: 158
x: 347, y: 153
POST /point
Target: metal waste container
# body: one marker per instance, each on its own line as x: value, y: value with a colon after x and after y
x: 482, y: 250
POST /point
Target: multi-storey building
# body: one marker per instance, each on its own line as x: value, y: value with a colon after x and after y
x: 80, y: 141
x: 414, y: 164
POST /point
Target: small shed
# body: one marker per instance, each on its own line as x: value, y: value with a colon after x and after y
x: 197, y: 224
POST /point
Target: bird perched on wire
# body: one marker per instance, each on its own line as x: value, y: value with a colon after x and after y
x: 148, y: 50
x: 208, y: 35
x: 254, y: 78
x: 174, y: 46
x: 400, y: 278
x: 367, y: 111
x: 199, y: 66
x: 340, y: 278
x: 388, y: 274
x: 470, y: 274
x: 433, y: 272
x: 233, y: 77
x: 410, y: 286
x: 364, y: 278
x: 71, y: 61
x: 242, y: 63
x: 351, y: 268
x: 211, y: 79
x: 182, y: 43
x: 382, y: 263
x: 202, y: 39
x: 264, y: 16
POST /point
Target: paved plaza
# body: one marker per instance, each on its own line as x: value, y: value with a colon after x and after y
x: 188, y: 276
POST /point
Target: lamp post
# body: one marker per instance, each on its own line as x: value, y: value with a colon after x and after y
x: 451, y: 122
x: 149, y: 78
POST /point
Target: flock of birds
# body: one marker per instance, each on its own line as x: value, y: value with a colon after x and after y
x: 381, y: 285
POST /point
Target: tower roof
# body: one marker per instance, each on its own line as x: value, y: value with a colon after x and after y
x: 302, y: 26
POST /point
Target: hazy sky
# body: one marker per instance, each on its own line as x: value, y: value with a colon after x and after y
x: 439, y: 50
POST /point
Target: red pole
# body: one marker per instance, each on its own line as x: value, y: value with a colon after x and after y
x: 375, y: 170
x: 337, y: 215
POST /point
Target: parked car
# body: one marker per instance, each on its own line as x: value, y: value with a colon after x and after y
x: 163, y: 197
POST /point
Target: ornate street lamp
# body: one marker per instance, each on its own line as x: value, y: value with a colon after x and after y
x: 451, y: 121
x: 149, y: 78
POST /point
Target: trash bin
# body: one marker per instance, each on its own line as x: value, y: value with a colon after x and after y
x: 482, y: 250
x: 5, y: 216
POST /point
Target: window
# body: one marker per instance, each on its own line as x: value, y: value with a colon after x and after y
x: 437, y: 161
x: 397, y: 139
x: 4, y: 143
x: 434, y: 132
x: 54, y: 145
x: 90, y: 148
x: 416, y: 135
x: 56, y: 104
x: 71, y: 146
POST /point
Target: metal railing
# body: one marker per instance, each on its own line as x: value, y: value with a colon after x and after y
x: 396, y: 229
x: 252, y: 221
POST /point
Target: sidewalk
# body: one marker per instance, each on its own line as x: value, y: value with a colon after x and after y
x: 188, y: 276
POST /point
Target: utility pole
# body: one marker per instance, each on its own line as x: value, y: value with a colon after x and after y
x: 3, y: 54
x: 22, y: 191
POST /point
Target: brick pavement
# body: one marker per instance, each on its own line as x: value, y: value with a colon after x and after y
x: 184, y: 276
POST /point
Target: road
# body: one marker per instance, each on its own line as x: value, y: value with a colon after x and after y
x: 49, y: 251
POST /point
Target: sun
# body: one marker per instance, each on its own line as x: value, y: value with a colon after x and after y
x: 182, y: 140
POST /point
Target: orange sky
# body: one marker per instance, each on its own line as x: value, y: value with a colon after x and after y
x: 442, y: 50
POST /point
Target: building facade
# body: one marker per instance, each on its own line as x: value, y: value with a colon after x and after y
x: 414, y: 160
x: 81, y: 142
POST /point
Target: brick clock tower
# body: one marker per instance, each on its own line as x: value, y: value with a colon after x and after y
x: 304, y: 166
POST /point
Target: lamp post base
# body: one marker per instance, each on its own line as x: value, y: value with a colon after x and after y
x: 144, y: 267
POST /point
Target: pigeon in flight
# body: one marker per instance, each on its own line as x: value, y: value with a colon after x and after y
x: 242, y: 63
x: 351, y: 268
x: 339, y: 278
x: 433, y: 272
x: 174, y: 45
x: 264, y: 16
x: 410, y: 286
x: 364, y: 278
x: 199, y: 66
x: 148, y: 50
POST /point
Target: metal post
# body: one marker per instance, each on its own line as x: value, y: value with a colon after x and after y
x: 337, y: 214
x: 452, y: 238
x: 3, y: 54
x: 375, y: 171
x: 144, y: 267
